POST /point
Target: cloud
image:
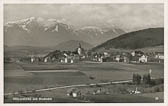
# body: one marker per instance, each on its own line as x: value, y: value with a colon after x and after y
x: 126, y: 16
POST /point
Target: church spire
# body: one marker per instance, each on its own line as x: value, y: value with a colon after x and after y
x: 79, y: 45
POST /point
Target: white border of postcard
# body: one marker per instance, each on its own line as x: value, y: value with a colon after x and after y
x: 86, y: 1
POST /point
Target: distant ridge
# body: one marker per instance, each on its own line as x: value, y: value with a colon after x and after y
x: 71, y: 45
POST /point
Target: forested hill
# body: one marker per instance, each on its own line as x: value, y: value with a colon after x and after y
x: 134, y: 40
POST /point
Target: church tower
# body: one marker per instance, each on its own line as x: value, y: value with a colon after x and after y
x: 79, y: 50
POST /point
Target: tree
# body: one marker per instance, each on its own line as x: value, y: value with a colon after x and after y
x: 146, y: 79
x: 136, y: 79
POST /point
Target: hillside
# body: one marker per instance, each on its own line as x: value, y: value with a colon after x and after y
x: 135, y: 40
x: 71, y: 45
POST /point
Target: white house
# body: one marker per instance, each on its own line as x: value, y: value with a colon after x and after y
x: 74, y: 94
x: 117, y: 58
x: 136, y: 91
x: 45, y: 60
x: 32, y: 59
x: 72, y: 61
x: 62, y: 60
x: 133, y: 53
x: 143, y: 59
x: 106, y: 54
x: 66, y: 60
x: 100, y: 59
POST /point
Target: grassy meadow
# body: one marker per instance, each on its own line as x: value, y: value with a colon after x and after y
x: 100, y: 72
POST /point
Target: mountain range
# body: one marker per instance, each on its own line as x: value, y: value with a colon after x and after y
x: 41, y: 36
x: 50, y: 32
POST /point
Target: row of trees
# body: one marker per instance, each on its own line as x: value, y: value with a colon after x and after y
x: 138, y: 79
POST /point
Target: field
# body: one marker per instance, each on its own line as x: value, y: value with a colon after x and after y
x: 121, y: 99
x: 121, y: 71
x: 86, y: 73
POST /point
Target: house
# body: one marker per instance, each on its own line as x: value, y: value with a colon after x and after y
x: 159, y: 55
x: 136, y: 91
x: 72, y: 61
x: 137, y: 56
x: 62, y: 61
x: 133, y: 53
x: 32, y: 59
x: 143, y: 59
x: 66, y: 60
x: 46, y: 59
x: 106, y: 54
x: 100, y: 59
x: 125, y: 59
x: 73, y: 92
x: 117, y: 58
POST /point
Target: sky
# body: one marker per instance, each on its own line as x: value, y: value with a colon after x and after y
x: 129, y: 17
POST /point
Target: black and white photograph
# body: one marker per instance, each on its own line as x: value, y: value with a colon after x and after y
x: 83, y: 53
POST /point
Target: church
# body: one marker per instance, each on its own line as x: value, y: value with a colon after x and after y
x: 80, y: 51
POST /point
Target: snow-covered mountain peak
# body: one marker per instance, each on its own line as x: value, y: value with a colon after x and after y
x: 56, y: 30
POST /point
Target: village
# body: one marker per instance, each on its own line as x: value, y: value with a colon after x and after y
x: 80, y: 54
